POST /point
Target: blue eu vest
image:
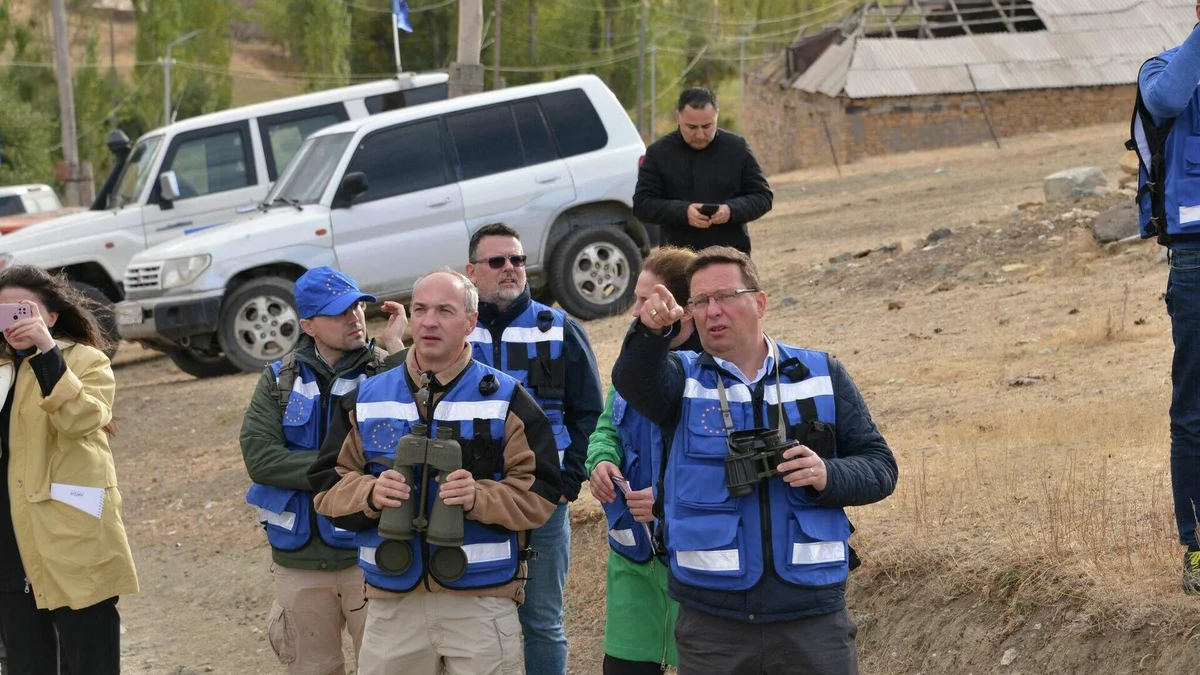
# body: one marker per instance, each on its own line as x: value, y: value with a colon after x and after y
x: 288, y: 515
x: 724, y: 543
x: 1181, y: 180
x: 640, y: 441
x: 386, y: 412
x: 531, y: 350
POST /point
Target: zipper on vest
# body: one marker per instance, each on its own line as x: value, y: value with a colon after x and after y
x: 662, y: 664
x: 26, y: 585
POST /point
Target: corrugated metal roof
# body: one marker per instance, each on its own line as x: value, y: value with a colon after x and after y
x: 1087, y: 43
x: 828, y: 74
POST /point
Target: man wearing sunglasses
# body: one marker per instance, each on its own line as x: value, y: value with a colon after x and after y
x: 420, y: 621
x: 550, y: 354
x: 759, y: 556
x: 318, y: 587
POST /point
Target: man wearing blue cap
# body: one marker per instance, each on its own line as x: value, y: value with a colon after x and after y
x: 318, y: 584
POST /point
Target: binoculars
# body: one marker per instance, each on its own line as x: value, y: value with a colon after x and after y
x: 754, y: 454
x: 442, y: 526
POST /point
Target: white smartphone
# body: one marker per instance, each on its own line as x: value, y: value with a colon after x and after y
x: 12, y: 313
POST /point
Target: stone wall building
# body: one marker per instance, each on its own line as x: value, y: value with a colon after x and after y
x: 921, y: 74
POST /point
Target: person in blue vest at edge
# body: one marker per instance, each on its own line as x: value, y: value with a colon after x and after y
x: 640, y: 617
x: 1169, y: 208
x: 550, y: 354
x: 423, y: 617
x: 769, y: 443
x: 318, y: 585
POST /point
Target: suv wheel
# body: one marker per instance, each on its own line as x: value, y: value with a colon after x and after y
x: 200, y: 364
x: 593, y: 272
x: 259, y: 323
x: 103, y: 311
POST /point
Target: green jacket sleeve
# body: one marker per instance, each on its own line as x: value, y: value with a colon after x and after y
x: 603, y: 445
x: 268, y: 460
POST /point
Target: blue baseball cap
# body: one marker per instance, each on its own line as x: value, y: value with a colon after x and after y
x: 324, y: 291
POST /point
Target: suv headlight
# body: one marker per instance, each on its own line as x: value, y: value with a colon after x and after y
x: 183, y: 271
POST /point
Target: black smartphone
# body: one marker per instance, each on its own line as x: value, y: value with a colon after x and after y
x: 708, y: 210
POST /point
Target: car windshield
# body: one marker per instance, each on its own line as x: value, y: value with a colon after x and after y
x: 137, y: 171
x: 305, y: 178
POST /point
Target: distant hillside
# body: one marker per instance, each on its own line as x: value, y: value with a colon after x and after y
x: 260, y: 70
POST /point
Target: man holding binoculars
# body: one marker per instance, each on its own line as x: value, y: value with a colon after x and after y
x: 445, y: 465
x: 769, y: 443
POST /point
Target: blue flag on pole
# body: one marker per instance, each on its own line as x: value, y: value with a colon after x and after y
x: 400, y: 11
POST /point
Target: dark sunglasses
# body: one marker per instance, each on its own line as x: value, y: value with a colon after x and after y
x: 423, y: 392
x: 496, y: 262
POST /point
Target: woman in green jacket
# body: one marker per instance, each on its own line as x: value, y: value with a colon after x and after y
x: 640, y: 623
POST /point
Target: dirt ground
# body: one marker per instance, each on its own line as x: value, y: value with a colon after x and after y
x: 1021, y: 376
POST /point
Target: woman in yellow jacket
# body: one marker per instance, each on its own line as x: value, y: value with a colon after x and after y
x: 64, y: 558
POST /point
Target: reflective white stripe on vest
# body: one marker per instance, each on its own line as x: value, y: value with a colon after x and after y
x: 562, y: 459
x: 286, y: 520
x: 523, y: 335
x: 457, y: 411
x: 740, y: 393
x: 392, y: 410
x: 709, y: 561
x: 623, y: 537
x: 1188, y: 214
x: 819, y: 552
x: 343, y: 386
x: 367, y: 554
x: 305, y: 389
x: 484, y: 553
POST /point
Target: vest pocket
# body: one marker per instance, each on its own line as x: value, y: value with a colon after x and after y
x: 334, y: 535
x: 816, y: 553
x: 381, y: 436
x: 701, y: 484
x: 625, y: 535
x: 297, y: 429
x: 283, y: 513
x: 707, y: 545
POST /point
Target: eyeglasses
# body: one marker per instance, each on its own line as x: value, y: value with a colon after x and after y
x: 423, y: 392
x: 496, y: 262
x: 700, y: 302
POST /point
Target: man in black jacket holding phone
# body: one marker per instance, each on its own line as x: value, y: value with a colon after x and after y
x: 701, y: 184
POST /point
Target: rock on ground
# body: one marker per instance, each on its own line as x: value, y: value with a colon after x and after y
x: 1072, y: 183
x: 1116, y: 223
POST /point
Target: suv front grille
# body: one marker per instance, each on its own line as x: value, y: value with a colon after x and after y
x: 143, y: 277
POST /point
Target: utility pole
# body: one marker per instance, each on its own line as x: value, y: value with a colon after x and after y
x: 641, y: 107
x: 496, y: 47
x: 466, y: 73
x: 166, y: 64
x: 742, y: 84
x: 653, y: 89
x: 66, y: 103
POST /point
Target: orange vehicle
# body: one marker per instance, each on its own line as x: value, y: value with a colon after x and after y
x: 24, y: 205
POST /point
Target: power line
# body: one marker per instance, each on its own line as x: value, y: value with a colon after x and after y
x: 839, y: 4
x: 411, y: 10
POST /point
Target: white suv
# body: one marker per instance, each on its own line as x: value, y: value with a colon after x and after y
x: 219, y: 165
x: 388, y: 198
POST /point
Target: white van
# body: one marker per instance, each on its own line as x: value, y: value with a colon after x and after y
x: 391, y: 197
x: 222, y: 164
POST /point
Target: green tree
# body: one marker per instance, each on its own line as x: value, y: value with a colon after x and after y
x: 25, y: 137
x: 200, y: 78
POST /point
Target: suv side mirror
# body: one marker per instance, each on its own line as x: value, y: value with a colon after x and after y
x: 353, y: 184
x: 168, y: 185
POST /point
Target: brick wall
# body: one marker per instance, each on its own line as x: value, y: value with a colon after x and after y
x: 787, y: 127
